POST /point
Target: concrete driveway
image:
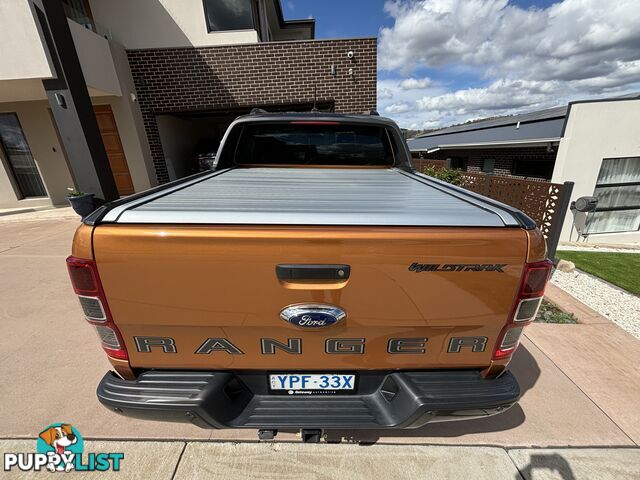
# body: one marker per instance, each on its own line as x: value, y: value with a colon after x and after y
x: 277, y: 461
x: 581, y: 382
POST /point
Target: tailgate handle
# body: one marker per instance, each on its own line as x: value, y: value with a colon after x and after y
x: 293, y: 272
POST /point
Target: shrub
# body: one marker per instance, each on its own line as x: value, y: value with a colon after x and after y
x: 74, y: 193
x: 445, y: 174
x: 549, y: 313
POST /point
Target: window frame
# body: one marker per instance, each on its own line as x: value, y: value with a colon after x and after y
x: 622, y: 208
x: 387, y: 139
x: 255, y: 20
x: 87, y: 10
x: 9, y: 168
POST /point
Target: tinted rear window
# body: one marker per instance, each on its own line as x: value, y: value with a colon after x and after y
x: 315, y: 144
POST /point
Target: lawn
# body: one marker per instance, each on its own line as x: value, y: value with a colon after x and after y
x: 621, y: 269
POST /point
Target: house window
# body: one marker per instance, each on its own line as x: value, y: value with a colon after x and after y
x: 224, y: 15
x: 618, y: 193
x: 533, y: 168
x: 459, y: 163
x: 488, y: 165
x: 80, y: 12
x: 18, y: 155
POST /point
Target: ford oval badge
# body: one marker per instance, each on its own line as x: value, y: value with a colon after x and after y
x: 312, y: 315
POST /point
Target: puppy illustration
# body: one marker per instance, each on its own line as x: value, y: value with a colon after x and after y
x: 59, y: 438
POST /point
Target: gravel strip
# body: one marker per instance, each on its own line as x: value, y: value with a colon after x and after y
x: 614, y: 303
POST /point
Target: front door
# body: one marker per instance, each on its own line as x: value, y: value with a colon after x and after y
x: 113, y: 146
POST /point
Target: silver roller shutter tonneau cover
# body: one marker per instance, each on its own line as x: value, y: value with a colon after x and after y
x: 312, y: 196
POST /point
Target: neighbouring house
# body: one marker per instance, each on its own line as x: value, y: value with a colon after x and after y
x: 593, y: 143
x: 165, y: 78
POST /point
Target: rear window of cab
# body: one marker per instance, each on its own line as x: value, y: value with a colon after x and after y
x: 314, y: 143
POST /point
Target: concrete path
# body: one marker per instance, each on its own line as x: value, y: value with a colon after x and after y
x: 603, y: 361
x: 580, y: 382
x: 36, y: 214
x: 278, y: 461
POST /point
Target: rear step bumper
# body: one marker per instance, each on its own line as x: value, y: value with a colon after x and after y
x: 382, y: 400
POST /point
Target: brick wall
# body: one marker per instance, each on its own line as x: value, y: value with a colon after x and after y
x: 504, y: 158
x: 262, y: 74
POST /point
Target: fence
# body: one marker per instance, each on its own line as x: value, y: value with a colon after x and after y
x: 420, y: 163
x: 545, y: 202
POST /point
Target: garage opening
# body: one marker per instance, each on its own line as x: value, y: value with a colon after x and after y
x: 190, y: 139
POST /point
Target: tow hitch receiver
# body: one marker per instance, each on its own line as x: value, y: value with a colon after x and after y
x: 310, y: 436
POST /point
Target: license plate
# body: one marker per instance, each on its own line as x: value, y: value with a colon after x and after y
x: 301, y: 383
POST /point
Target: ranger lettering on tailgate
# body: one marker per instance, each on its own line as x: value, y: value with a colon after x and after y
x: 346, y: 346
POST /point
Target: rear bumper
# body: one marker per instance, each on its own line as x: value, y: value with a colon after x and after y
x: 382, y: 400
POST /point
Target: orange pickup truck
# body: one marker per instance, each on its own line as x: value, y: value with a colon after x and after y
x: 313, y: 280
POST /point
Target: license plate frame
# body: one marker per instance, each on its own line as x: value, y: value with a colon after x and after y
x: 313, y: 384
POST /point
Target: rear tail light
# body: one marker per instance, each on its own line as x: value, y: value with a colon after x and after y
x: 92, y: 308
x: 530, y: 294
x: 527, y: 310
x: 86, y: 284
x: 508, y: 341
x: 108, y: 337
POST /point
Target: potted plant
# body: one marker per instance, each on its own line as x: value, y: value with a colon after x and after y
x: 82, y: 203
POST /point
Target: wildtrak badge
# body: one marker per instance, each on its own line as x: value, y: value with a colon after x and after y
x: 457, y: 267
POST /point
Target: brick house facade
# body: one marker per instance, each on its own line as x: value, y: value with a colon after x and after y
x: 525, y: 162
x: 209, y: 79
x: 511, y: 161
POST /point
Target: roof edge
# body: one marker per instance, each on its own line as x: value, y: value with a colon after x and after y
x: 594, y: 100
x: 505, y: 143
x: 252, y: 44
x: 515, y: 122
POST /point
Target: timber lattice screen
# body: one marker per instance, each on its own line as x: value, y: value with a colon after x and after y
x: 538, y: 199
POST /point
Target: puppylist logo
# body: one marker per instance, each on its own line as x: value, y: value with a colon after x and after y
x: 60, y: 448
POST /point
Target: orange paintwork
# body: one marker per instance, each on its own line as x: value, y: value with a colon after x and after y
x: 191, y: 283
x: 122, y: 367
x: 81, y: 247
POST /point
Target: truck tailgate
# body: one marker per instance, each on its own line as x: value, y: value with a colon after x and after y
x: 191, y: 283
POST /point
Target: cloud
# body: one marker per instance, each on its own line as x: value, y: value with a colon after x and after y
x: 500, y: 95
x: 425, y: 125
x: 402, y: 105
x: 493, y: 34
x: 398, y: 108
x: 415, y: 83
x: 384, y: 93
x: 521, y: 59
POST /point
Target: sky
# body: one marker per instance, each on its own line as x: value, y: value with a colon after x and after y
x: 442, y: 62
